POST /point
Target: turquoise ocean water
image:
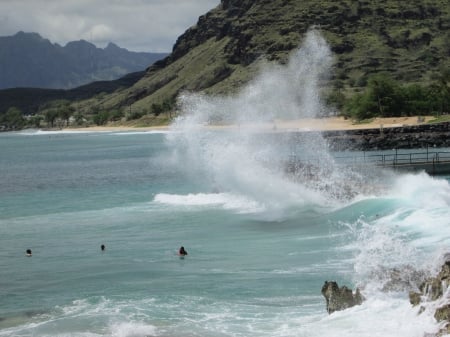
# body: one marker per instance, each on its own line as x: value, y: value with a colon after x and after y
x: 260, y: 244
x: 263, y: 233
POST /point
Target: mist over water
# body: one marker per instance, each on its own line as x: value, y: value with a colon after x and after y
x: 251, y: 158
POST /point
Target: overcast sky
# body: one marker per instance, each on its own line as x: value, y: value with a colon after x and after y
x: 138, y: 25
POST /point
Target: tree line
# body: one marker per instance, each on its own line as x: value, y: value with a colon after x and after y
x: 62, y: 113
x: 385, y: 97
x: 382, y: 97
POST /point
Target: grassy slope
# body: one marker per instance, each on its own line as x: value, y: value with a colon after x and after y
x: 407, y: 39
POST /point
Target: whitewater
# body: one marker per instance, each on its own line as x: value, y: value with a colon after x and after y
x: 261, y: 238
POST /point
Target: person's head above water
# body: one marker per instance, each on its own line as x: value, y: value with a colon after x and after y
x: 102, y: 247
x: 29, y: 252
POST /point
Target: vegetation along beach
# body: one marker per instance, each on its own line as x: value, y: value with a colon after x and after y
x: 298, y: 151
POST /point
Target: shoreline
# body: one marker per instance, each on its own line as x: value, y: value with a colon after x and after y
x: 340, y: 133
x: 304, y: 124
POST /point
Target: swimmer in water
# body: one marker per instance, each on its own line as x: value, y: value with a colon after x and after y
x: 182, y: 251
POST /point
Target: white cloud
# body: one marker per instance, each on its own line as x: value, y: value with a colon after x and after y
x: 141, y: 25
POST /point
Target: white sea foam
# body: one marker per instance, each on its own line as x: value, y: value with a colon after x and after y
x: 111, y: 318
x: 396, y: 249
x: 131, y: 329
x: 39, y: 132
x: 422, y: 190
x: 382, y: 316
x: 147, y: 132
x: 223, y: 200
x: 422, y: 212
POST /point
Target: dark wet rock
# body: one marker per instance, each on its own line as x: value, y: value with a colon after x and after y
x: 401, y: 279
x: 404, y: 137
x: 433, y: 289
x: 442, y: 313
x: 414, y: 298
x: 340, y: 298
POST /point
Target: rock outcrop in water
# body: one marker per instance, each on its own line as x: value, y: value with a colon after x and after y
x: 433, y: 293
x: 340, y: 298
x: 435, y: 289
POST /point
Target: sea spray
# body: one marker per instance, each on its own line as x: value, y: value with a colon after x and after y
x: 399, y: 245
x: 398, y: 240
x: 278, y: 92
x: 250, y: 157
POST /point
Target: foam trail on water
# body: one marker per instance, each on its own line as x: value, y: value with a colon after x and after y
x: 224, y: 200
x: 251, y: 162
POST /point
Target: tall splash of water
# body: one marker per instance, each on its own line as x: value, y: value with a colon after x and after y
x: 248, y: 161
x: 284, y: 92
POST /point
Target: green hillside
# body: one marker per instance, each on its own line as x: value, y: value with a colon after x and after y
x: 409, y: 40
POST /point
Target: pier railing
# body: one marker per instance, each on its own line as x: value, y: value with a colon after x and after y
x: 409, y: 158
x: 433, y: 162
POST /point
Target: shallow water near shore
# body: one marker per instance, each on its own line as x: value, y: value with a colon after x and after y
x: 257, y: 257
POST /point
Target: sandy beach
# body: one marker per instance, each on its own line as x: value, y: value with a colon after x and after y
x: 340, y: 123
x: 304, y: 124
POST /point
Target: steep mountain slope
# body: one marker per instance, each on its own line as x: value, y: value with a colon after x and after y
x: 28, y: 60
x: 410, y: 40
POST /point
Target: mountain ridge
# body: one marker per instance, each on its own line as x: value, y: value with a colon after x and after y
x: 29, y: 60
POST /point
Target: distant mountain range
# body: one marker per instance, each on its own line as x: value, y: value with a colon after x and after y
x: 29, y: 60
